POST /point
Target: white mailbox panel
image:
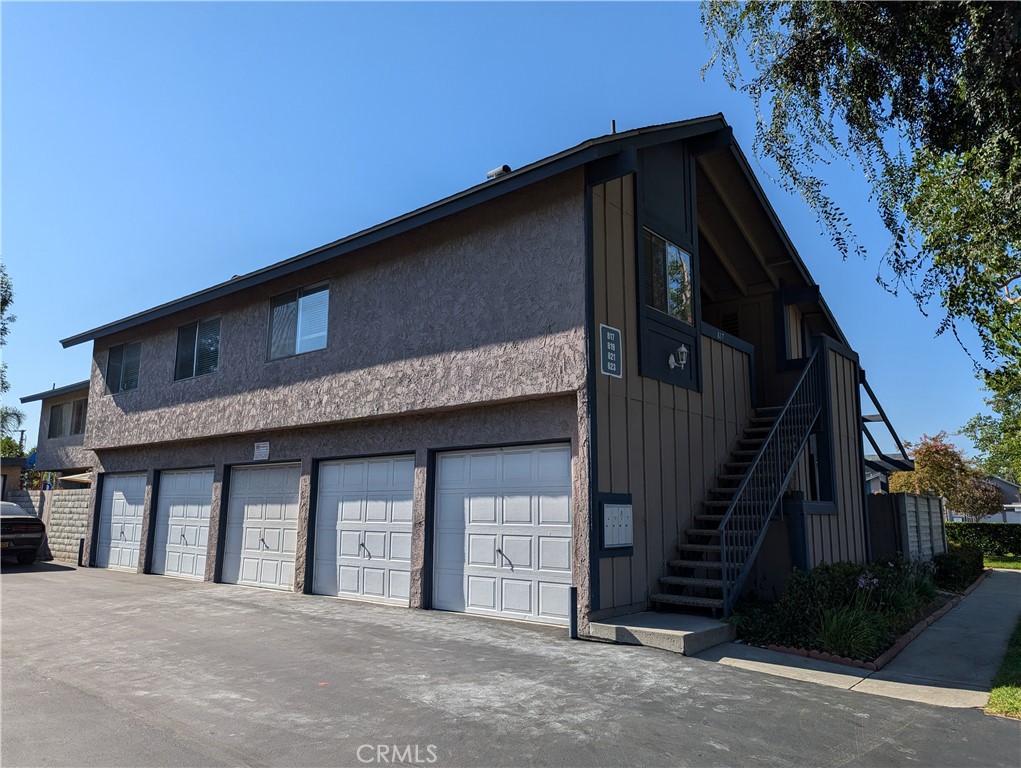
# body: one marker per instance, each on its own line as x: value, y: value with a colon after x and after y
x: 618, y: 529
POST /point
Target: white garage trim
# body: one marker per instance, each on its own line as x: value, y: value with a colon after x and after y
x: 182, y: 523
x: 363, y: 529
x: 502, y: 532
x: 262, y: 526
x: 120, y: 521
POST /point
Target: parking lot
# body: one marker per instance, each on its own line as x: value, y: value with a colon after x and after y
x: 107, y: 668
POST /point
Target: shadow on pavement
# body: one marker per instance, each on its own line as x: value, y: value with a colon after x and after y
x: 12, y: 567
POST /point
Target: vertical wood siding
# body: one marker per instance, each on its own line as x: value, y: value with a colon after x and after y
x: 660, y: 443
x: 832, y: 538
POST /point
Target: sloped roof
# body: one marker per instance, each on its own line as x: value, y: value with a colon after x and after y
x: 586, y: 152
x: 81, y: 385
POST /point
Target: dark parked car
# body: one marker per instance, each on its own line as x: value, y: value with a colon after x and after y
x: 21, y: 533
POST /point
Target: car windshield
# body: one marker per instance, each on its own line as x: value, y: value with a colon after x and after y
x: 9, y: 509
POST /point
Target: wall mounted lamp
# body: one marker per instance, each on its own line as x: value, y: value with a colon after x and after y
x: 678, y: 358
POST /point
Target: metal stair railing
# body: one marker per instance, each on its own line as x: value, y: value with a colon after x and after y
x: 746, y: 520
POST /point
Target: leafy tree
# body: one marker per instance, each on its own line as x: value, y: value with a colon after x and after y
x: 941, y: 470
x: 925, y: 99
x: 10, y: 418
x: 10, y: 448
x: 998, y: 437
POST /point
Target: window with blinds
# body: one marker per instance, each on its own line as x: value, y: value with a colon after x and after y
x: 68, y: 418
x: 122, y: 367
x: 198, y: 349
x: 298, y: 321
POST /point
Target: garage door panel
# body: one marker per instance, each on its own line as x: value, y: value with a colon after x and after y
x: 517, y: 596
x: 363, y: 528
x: 517, y: 500
x: 182, y: 523
x: 120, y: 515
x: 262, y: 535
x: 400, y: 546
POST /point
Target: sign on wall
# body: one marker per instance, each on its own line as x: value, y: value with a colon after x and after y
x: 611, y: 357
x: 261, y: 452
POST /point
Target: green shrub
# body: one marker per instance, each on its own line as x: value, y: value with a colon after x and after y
x: 990, y: 538
x: 958, y: 567
x: 850, y: 609
x: 853, y: 631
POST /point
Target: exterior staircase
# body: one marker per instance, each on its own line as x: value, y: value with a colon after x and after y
x: 694, y: 579
x: 716, y: 554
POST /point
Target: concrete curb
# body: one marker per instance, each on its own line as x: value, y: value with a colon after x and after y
x: 899, y: 644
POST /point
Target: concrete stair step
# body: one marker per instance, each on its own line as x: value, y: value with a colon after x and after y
x: 702, y: 532
x: 699, y: 547
x: 677, y: 632
x: 713, y: 565
x: 690, y: 581
x: 689, y: 600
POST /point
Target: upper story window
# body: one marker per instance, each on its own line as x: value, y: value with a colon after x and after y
x: 122, y: 367
x: 298, y: 321
x: 668, y: 278
x: 198, y: 349
x: 68, y: 418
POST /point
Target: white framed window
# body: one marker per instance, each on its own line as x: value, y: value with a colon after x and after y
x: 122, y: 367
x: 298, y: 321
x: 198, y: 349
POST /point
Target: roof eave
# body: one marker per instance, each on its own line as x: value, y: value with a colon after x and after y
x: 587, y: 151
x: 57, y: 391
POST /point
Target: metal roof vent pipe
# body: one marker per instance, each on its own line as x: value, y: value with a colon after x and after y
x: 498, y: 172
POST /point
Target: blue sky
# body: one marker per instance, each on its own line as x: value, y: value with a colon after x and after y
x: 154, y: 149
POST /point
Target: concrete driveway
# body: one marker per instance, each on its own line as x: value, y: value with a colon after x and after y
x: 108, y: 669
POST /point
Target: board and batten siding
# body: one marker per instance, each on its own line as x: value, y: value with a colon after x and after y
x: 660, y: 443
x: 842, y: 536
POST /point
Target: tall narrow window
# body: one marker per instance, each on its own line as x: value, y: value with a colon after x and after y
x: 122, y: 367
x: 198, y: 349
x: 668, y: 279
x: 299, y: 321
x: 60, y: 420
x: 79, y: 412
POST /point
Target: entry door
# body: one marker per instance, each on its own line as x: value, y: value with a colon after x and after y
x: 120, y: 521
x: 262, y: 526
x: 503, y: 533
x: 363, y: 529
x: 182, y: 523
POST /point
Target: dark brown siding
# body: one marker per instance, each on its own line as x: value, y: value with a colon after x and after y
x: 660, y: 443
x: 832, y: 538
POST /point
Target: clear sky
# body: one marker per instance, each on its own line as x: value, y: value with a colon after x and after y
x: 153, y: 149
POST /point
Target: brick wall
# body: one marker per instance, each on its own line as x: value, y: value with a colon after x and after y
x: 66, y: 514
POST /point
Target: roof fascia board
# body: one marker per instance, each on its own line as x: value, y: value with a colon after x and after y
x: 57, y: 391
x: 586, y: 152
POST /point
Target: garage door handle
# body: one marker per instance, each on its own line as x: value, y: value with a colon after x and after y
x: 367, y: 552
x: 264, y: 542
x: 509, y: 561
x: 122, y: 530
x: 184, y: 538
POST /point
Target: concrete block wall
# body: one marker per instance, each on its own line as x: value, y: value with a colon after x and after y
x: 65, y: 513
x: 69, y: 519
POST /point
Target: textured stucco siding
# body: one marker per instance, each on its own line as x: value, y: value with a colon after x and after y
x: 547, y: 419
x: 487, y: 305
x: 60, y: 453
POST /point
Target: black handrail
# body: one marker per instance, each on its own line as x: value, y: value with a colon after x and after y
x: 746, y: 520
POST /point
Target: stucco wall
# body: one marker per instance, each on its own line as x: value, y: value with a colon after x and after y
x: 484, y: 306
x: 61, y: 453
x: 546, y: 419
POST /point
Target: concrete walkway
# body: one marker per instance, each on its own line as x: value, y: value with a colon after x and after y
x: 950, y: 664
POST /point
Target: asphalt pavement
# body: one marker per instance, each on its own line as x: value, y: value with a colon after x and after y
x: 102, y: 668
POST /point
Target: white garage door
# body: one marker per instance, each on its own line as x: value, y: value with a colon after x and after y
x: 120, y: 521
x: 182, y: 523
x: 363, y: 529
x: 262, y: 526
x: 503, y: 533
